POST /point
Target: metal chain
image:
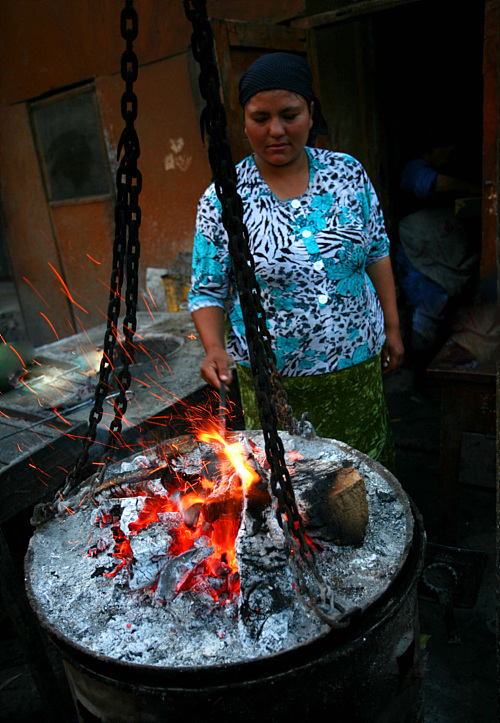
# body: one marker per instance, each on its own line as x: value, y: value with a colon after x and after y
x: 127, y: 215
x: 262, y: 358
x: 126, y: 250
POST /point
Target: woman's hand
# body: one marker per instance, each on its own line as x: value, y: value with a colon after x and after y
x: 215, y: 367
x: 392, y: 351
x: 209, y: 322
x: 382, y: 279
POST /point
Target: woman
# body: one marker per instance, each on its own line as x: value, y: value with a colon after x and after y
x: 321, y: 252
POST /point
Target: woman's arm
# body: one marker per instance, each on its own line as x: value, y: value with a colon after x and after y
x: 209, y: 322
x: 382, y: 279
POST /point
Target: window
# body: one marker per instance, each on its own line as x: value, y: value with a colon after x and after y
x: 71, y: 147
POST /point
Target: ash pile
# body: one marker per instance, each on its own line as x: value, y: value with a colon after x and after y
x: 177, y: 559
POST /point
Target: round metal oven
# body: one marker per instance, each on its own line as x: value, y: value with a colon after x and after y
x: 368, y: 672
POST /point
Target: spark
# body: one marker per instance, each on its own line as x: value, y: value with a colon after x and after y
x: 61, y: 417
x: 92, y: 370
x: 65, y: 289
x: 157, y: 424
x: 46, y: 474
x: 133, y: 399
x: 28, y: 386
x: 76, y: 436
x: 45, y: 235
x: 84, y: 331
x: 94, y: 260
x: 135, y: 379
x: 42, y: 439
x: 164, y: 389
x: 113, y: 291
x: 18, y: 355
x: 147, y: 306
x: 36, y: 292
x: 76, y: 262
x: 157, y: 396
x: 151, y: 297
x: 62, y: 394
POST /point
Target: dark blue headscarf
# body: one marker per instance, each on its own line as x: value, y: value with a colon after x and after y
x: 282, y: 71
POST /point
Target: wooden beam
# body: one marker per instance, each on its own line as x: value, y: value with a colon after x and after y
x: 348, y: 11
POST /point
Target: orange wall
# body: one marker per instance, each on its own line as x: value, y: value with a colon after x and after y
x: 173, y: 162
x: 48, y: 46
x: 29, y: 229
x: 84, y: 237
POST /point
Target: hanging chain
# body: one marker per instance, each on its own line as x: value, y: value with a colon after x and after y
x: 126, y: 251
x: 262, y: 358
x: 127, y: 216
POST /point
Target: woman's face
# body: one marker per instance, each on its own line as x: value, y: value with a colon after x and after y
x: 277, y: 125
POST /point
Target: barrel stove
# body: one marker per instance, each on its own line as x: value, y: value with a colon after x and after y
x: 369, y: 671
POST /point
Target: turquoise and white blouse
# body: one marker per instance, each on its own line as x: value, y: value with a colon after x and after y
x: 310, y: 256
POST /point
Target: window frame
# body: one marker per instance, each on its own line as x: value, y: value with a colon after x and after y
x: 57, y: 96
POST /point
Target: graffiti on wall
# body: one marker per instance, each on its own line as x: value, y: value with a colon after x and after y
x: 176, y: 158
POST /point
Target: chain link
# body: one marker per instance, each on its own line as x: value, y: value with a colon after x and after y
x: 271, y: 397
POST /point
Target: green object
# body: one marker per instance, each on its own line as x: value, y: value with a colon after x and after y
x: 13, y: 364
x: 424, y: 639
x: 348, y: 405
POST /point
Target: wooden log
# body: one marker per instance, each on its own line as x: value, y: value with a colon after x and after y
x: 332, y: 499
x: 346, y: 508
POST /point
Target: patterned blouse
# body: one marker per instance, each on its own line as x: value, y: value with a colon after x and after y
x: 310, y: 256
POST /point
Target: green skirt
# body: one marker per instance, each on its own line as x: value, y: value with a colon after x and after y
x: 347, y: 405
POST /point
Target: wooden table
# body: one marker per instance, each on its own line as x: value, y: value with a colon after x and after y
x: 468, y: 404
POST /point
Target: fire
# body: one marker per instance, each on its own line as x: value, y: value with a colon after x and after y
x: 202, y: 512
x: 233, y: 455
x: 209, y: 510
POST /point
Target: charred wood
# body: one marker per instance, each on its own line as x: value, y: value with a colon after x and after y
x: 334, y: 501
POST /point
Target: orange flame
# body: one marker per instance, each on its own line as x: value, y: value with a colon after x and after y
x: 233, y: 455
x: 234, y: 477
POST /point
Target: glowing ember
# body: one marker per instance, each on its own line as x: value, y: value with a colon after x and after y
x: 199, y: 515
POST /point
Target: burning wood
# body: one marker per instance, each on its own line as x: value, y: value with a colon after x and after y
x: 176, y: 571
x: 149, y: 555
x: 169, y: 519
x: 188, y: 533
x: 141, y: 470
